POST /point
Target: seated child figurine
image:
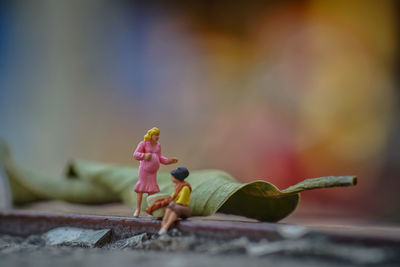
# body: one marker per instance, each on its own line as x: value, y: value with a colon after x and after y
x: 178, y: 204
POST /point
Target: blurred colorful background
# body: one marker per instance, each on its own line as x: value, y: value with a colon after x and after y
x: 271, y: 90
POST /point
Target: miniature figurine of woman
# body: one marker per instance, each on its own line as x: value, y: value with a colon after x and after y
x: 178, y: 204
x: 148, y: 152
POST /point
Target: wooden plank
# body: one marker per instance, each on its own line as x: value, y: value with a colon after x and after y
x: 25, y: 223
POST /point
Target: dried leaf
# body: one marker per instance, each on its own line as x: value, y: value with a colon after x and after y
x: 213, y: 190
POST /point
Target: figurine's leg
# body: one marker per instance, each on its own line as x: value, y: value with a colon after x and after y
x: 169, y: 219
x: 139, y: 198
x: 165, y: 218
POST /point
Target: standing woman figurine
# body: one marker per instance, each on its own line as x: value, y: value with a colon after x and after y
x: 148, y: 152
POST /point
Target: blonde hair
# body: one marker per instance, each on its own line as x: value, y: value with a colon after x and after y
x: 150, y: 132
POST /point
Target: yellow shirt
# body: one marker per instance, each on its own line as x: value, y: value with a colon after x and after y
x: 183, y: 196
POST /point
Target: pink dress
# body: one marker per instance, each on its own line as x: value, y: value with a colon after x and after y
x: 147, y: 182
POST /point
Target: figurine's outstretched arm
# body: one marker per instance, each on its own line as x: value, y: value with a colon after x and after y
x: 166, y: 161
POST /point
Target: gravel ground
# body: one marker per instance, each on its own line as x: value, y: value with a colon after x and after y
x: 176, y: 250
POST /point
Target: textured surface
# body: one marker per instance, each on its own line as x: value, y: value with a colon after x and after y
x: 189, y: 250
x: 219, y: 240
x: 77, y: 237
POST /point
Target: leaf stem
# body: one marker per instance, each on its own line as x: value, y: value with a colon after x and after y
x: 322, y: 182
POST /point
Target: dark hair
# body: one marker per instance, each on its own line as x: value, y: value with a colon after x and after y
x: 180, y: 173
